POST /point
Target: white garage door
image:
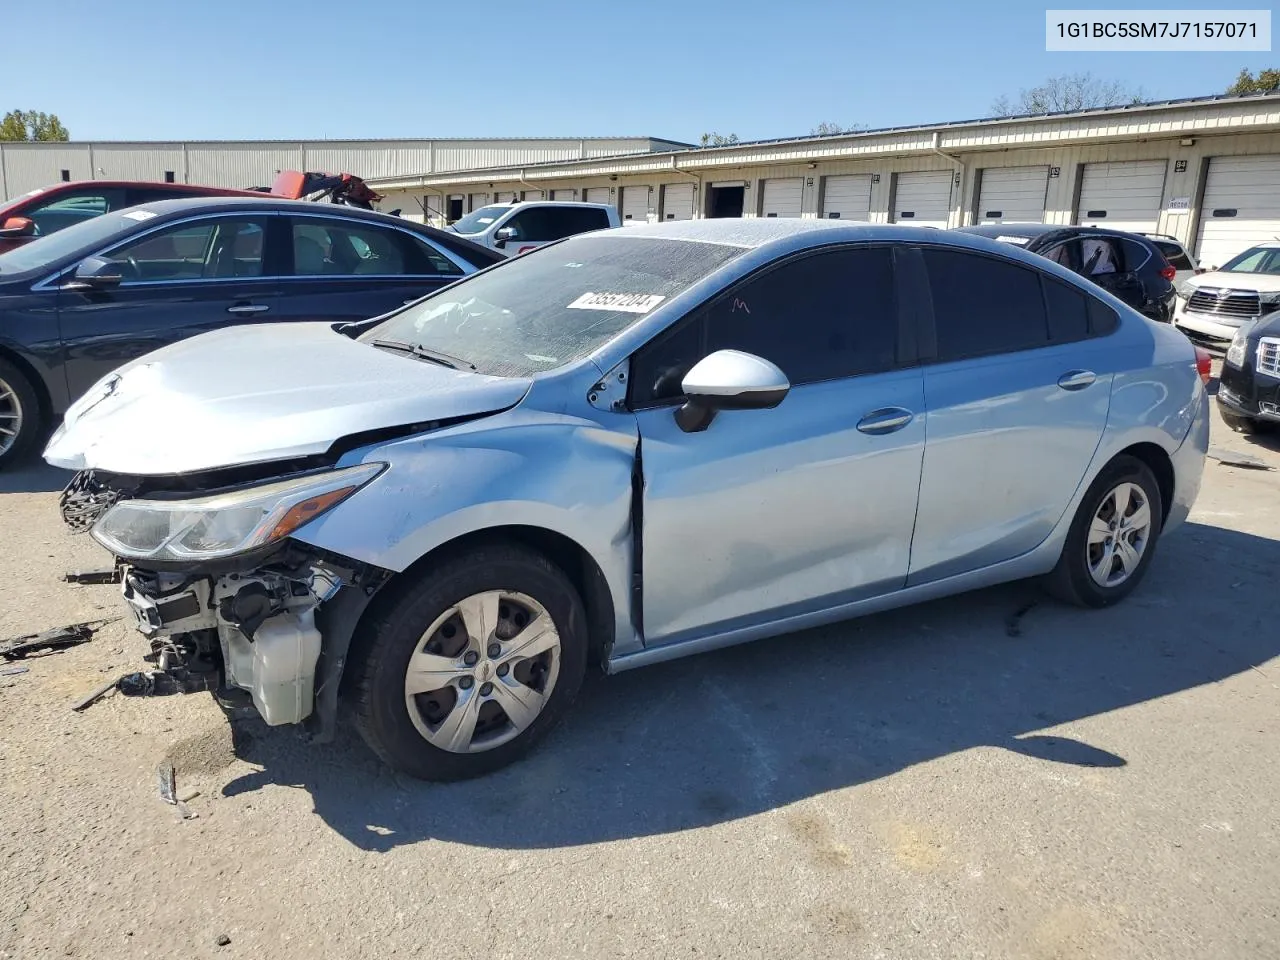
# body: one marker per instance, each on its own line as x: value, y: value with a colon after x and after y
x: 677, y: 201
x: 505, y: 196
x: 478, y: 200
x: 564, y: 194
x: 1013, y: 194
x: 635, y: 204
x: 597, y: 195
x: 532, y: 195
x: 923, y: 198
x: 782, y: 197
x: 847, y: 198
x: 1241, y: 207
x: 1122, y: 196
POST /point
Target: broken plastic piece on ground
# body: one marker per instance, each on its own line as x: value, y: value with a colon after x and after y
x: 1232, y: 459
x: 156, y: 684
x: 95, y: 695
x: 16, y: 648
x: 112, y: 575
x: 13, y: 671
x: 166, y: 777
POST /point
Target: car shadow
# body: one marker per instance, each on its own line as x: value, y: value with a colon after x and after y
x: 740, y: 731
x: 33, y: 475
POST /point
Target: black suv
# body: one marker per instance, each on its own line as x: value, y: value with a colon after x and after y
x: 1129, y: 267
x: 1249, y: 385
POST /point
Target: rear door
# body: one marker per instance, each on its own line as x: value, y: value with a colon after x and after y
x: 179, y: 280
x: 1017, y: 391
x: 345, y: 269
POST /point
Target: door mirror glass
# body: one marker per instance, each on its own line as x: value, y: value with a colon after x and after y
x: 729, y: 380
x: 95, y: 273
x: 18, y: 227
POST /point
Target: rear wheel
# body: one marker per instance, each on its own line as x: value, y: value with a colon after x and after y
x: 19, y: 414
x: 471, y: 664
x: 1112, y: 537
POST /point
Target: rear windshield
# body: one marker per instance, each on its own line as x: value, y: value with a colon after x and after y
x: 553, y: 306
x: 1173, y: 253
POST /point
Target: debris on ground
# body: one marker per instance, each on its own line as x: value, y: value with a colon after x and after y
x: 221, y: 940
x: 13, y: 671
x: 95, y: 695
x: 59, y: 638
x: 159, y: 684
x: 167, y: 778
x: 1232, y: 459
x: 112, y: 575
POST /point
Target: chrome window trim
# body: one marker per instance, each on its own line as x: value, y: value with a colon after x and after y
x: 466, y: 268
x: 48, y: 283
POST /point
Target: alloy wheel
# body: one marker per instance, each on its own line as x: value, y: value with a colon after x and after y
x: 482, y: 672
x: 1118, y: 535
x: 10, y: 417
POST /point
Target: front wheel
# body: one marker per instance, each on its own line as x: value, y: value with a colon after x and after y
x: 19, y: 414
x: 471, y: 664
x: 1112, y: 537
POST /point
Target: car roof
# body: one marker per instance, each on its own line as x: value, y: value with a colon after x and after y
x: 1012, y: 229
x: 511, y: 204
x: 266, y: 201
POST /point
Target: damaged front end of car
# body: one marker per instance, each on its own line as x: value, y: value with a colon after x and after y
x: 227, y: 599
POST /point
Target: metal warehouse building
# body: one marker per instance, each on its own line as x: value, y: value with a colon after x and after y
x: 254, y: 163
x: 1206, y: 171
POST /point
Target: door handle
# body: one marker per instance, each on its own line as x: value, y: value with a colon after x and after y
x: 885, y: 420
x: 1076, y: 379
x: 248, y: 308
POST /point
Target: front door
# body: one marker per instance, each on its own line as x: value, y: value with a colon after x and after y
x: 772, y: 513
x: 1017, y: 398
x: 346, y: 270
x: 183, y: 279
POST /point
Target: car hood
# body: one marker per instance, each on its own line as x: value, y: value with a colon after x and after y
x: 253, y: 394
x: 1262, y: 282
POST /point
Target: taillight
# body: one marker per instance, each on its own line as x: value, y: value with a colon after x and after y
x: 1168, y: 272
x: 1204, y: 363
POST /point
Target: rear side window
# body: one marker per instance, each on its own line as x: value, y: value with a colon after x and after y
x: 1174, y: 254
x: 983, y: 306
x: 1068, y: 312
x: 424, y: 258
x: 1102, y: 319
x: 1137, y: 254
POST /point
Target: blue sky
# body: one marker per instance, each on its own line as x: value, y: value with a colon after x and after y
x: 168, y: 69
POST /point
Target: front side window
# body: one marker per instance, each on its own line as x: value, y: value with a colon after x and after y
x: 1254, y: 260
x: 329, y: 248
x: 554, y: 305
x: 217, y: 248
x: 821, y: 317
x: 983, y: 306
x: 67, y: 211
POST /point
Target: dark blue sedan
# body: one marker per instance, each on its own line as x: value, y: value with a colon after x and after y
x: 78, y: 303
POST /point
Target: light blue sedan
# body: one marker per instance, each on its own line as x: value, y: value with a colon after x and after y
x: 628, y: 446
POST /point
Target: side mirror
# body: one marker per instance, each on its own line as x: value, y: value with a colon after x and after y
x: 502, y: 236
x: 729, y: 380
x: 17, y: 227
x: 95, y: 273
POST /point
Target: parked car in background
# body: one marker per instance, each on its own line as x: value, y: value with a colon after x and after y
x: 1214, y: 306
x: 50, y: 209
x: 1249, y: 384
x: 1128, y: 266
x: 76, y: 304
x: 1178, y: 256
x: 565, y: 459
x: 516, y: 228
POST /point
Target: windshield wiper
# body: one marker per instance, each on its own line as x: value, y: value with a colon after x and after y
x: 422, y: 353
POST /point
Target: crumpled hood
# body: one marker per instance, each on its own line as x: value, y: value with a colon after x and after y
x: 252, y: 394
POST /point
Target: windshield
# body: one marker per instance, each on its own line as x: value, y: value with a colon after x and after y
x: 553, y: 306
x: 49, y: 249
x: 1255, y: 260
x: 477, y: 221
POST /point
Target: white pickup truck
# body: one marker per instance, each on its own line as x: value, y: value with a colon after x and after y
x: 516, y: 228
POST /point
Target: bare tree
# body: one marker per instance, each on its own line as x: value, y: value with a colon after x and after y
x: 1076, y: 91
x: 827, y: 128
x: 719, y: 140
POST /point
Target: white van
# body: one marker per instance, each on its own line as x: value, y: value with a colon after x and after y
x: 516, y: 228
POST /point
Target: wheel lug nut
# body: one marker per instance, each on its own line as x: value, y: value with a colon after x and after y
x: 471, y: 658
x: 465, y: 683
x: 495, y: 650
x: 502, y: 669
x: 486, y: 689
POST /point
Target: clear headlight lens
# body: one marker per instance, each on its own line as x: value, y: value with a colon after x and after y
x: 1270, y: 298
x: 225, y: 524
x: 1239, y: 346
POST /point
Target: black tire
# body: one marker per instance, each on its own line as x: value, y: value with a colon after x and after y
x: 1245, y: 425
x: 395, y: 633
x: 1070, y: 580
x: 28, y: 407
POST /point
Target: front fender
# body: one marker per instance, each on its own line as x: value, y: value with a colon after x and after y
x: 566, y: 474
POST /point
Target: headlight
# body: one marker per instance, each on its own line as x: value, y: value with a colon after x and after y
x: 1270, y: 298
x: 225, y: 524
x: 1239, y: 346
x: 1185, y: 289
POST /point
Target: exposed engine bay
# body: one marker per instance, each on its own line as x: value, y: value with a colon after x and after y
x: 258, y: 623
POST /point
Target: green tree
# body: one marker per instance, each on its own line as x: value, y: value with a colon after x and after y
x: 719, y: 140
x: 1267, y: 81
x: 1076, y: 91
x: 827, y: 128
x: 32, y: 125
